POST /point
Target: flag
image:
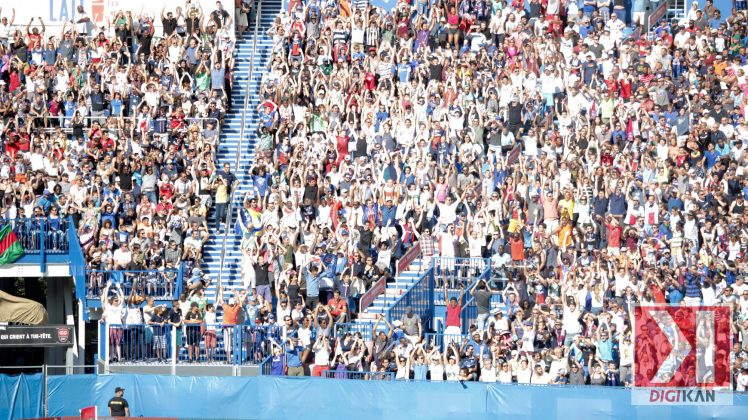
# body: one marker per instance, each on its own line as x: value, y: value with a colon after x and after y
x: 10, y: 248
x: 89, y: 413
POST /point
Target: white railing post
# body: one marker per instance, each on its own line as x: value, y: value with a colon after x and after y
x: 174, y: 349
x: 106, y: 348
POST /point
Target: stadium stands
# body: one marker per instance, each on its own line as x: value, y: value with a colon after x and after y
x: 542, y: 167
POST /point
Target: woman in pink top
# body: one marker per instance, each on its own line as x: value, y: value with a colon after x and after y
x: 453, y: 23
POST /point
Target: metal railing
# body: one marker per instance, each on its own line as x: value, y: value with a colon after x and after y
x: 362, y: 376
x: 65, y: 123
x: 152, y: 343
x: 161, y: 284
x: 342, y: 328
x: 230, y: 209
x: 189, y: 343
x: 420, y: 296
x: 204, y: 343
x: 442, y: 341
x: 456, y: 272
x: 280, y: 364
x: 255, y: 343
x: 42, y: 235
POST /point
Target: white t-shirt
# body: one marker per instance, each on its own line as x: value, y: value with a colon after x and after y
x: 321, y: 355
x: 113, y: 314
x: 82, y: 28
x: 210, y: 321
x: 488, y: 375
x: 540, y: 380
x: 437, y: 372
x: 453, y: 372
x: 523, y: 375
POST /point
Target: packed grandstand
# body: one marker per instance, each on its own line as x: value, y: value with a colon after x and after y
x: 591, y: 165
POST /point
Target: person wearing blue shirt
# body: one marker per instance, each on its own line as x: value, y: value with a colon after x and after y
x: 46, y: 201
x: 710, y: 157
x: 295, y: 354
x: 693, y: 287
x: 675, y: 293
x: 674, y: 202
x: 604, y: 347
x: 722, y: 147
x: 617, y: 203
x: 313, y: 277
x: 403, y: 72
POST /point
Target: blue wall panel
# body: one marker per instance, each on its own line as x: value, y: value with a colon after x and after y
x: 276, y: 397
x: 21, y: 396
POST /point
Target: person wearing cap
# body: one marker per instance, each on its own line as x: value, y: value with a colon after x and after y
x: 118, y: 406
x: 231, y: 313
x: 295, y: 355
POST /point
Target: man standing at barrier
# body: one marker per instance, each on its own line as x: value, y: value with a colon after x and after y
x: 454, y: 323
x: 483, y: 301
x: 412, y: 326
x: 118, y: 406
x: 230, y: 319
x: 295, y: 354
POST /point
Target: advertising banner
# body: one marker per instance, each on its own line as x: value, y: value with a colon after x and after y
x: 36, y: 336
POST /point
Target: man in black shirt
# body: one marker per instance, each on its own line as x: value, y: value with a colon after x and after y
x: 220, y: 16
x: 482, y: 297
x: 262, y: 277
x: 169, y: 22
x: 118, y: 406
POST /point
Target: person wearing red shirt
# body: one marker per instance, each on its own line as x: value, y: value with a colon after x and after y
x: 35, y: 37
x: 338, y: 307
x: 614, y: 235
x: 517, y: 247
x: 454, y: 323
x: 625, y: 87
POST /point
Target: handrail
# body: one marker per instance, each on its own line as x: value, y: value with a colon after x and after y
x: 230, y: 209
x: 166, y: 285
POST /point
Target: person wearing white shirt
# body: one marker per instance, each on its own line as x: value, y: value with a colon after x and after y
x: 524, y: 372
x: 615, y: 26
x: 114, y: 312
x: 539, y: 377
x: 487, y: 371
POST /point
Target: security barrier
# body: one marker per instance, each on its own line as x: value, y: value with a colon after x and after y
x: 161, y: 284
x: 281, y: 397
x: 363, y: 376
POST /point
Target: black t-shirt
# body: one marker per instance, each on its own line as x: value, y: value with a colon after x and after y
x: 169, y: 25
x: 261, y: 274
x: 192, y: 316
x: 175, y: 315
x: 219, y: 17
x: 117, y: 406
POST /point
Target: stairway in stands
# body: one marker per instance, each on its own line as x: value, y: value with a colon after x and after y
x: 229, y: 145
x: 392, y: 293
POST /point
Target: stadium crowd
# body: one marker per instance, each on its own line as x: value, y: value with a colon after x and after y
x: 114, y: 120
x: 597, y: 170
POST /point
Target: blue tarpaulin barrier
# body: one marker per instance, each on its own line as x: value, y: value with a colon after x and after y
x: 279, y: 397
x: 21, y: 396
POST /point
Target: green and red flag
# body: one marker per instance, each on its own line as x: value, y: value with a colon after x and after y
x: 10, y: 248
